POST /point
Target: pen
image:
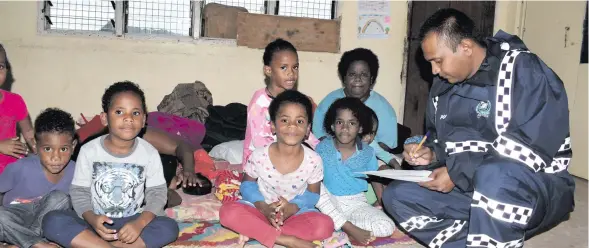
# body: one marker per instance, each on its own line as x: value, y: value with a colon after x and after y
x: 420, y: 143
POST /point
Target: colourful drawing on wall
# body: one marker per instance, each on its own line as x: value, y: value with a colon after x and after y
x: 374, y: 20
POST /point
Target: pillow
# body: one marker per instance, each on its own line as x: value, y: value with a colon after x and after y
x: 231, y: 151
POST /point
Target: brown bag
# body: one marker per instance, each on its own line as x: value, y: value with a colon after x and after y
x: 189, y: 101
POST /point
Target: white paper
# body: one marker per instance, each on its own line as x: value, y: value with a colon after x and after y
x: 404, y: 175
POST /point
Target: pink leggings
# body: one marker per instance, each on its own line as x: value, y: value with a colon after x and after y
x: 249, y: 221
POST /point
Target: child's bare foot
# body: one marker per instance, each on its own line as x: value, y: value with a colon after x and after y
x: 358, y: 234
x: 398, y: 234
x: 242, y: 240
x: 294, y: 242
x: 43, y: 245
x: 377, y: 205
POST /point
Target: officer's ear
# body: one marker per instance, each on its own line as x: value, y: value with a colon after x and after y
x: 466, y: 46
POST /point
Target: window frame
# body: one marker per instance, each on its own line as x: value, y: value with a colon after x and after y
x: 195, y: 33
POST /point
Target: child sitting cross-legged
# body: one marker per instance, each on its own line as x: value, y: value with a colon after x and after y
x: 115, y: 174
x: 40, y: 183
x: 344, y: 156
x: 281, y: 183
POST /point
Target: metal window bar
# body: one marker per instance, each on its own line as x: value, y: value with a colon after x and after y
x: 252, y: 6
x: 79, y: 15
x: 320, y: 9
x: 159, y: 17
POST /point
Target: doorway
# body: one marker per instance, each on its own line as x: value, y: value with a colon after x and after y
x: 419, y: 76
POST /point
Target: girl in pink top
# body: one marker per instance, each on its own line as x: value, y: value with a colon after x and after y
x: 281, y: 184
x: 281, y: 68
x: 13, y: 112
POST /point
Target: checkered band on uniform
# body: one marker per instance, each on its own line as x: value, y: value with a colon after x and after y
x: 502, y: 211
x: 508, y: 147
x: 418, y: 222
x: 446, y: 234
x: 467, y: 146
x: 483, y: 240
x: 435, y: 101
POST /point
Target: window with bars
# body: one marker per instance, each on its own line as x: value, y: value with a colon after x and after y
x: 162, y: 17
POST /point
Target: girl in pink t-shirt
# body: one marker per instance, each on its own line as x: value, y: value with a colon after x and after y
x: 13, y: 112
x: 281, y: 68
x: 281, y: 183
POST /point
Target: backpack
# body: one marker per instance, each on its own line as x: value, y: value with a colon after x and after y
x: 224, y: 123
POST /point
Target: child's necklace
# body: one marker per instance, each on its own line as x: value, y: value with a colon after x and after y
x: 269, y: 93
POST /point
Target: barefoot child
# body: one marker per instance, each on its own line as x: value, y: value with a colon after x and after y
x: 13, y: 113
x: 344, y: 154
x: 115, y: 174
x: 35, y: 185
x: 281, y: 183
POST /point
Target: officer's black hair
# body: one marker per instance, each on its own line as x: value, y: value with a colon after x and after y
x: 120, y: 87
x: 358, y: 54
x: 358, y: 109
x: 452, y: 26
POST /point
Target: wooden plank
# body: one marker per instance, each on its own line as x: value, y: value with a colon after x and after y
x: 220, y: 21
x: 306, y: 34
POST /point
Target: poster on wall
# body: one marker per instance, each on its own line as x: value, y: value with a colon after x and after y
x: 374, y: 19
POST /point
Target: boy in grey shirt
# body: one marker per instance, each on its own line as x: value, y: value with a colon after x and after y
x: 115, y: 174
x: 37, y: 184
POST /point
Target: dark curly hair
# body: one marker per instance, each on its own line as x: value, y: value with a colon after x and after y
x: 359, y: 110
x: 54, y: 120
x: 9, y: 76
x: 358, y: 54
x: 119, y: 87
x: 370, y: 113
x: 452, y: 26
x: 291, y: 96
x: 275, y: 46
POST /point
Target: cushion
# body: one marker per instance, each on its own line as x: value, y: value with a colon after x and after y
x: 188, y: 130
x: 195, y: 208
x: 231, y: 151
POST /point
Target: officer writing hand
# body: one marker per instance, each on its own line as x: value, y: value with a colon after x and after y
x: 423, y: 156
x: 441, y: 181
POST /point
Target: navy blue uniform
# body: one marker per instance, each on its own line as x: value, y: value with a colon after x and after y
x: 503, y: 134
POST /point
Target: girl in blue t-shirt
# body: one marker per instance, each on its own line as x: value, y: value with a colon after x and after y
x: 343, y: 189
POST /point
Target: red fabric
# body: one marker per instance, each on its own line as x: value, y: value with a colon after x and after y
x: 228, y: 178
x: 249, y: 221
x: 204, y: 164
x: 90, y: 128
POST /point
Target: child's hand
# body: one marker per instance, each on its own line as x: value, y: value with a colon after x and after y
x: 285, y: 210
x: 13, y: 147
x: 130, y: 232
x: 97, y: 222
x: 269, y: 211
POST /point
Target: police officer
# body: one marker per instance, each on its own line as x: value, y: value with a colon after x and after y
x: 498, y: 144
